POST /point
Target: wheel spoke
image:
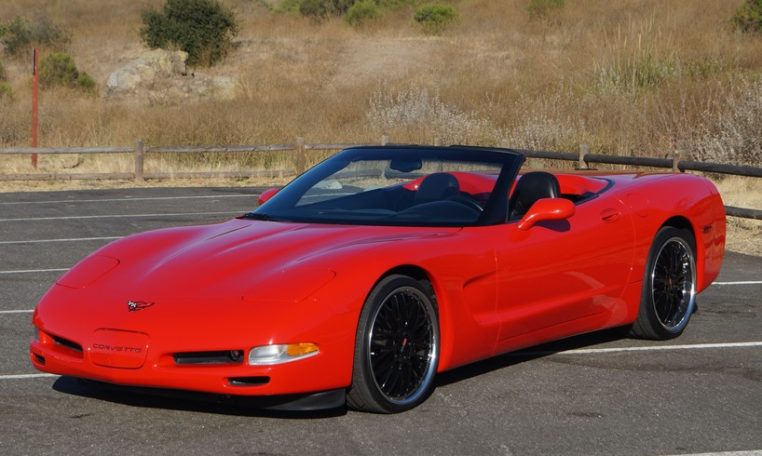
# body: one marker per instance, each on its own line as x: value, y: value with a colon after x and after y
x: 672, y: 282
x: 382, y: 357
x: 404, y: 385
x: 382, y: 364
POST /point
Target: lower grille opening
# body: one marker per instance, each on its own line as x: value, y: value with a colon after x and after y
x: 40, y: 359
x: 67, y: 343
x: 249, y: 381
x: 210, y: 357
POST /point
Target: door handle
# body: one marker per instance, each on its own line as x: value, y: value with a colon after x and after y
x: 610, y: 215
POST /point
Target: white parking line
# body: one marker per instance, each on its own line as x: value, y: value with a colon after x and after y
x: 39, y: 241
x: 73, y: 217
x: 726, y: 453
x: 143, y: 198
x: 25, y: 376
x: 748, y: 282
x: 28, y: 271
x: 589, y: 351
x: 16, y: 311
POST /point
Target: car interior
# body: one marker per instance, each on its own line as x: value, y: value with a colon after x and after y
x: 453, y: 197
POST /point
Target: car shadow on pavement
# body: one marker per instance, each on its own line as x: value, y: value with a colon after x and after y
x: 535, y: 352
x: 187, y: 400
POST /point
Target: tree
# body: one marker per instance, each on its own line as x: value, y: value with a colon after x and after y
x: 202, y: 28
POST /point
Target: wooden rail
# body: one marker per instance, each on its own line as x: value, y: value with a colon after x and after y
x: 299, y: 149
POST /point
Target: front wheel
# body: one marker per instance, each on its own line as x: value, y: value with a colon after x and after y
x: 669, y: 285
x: 396, y: 347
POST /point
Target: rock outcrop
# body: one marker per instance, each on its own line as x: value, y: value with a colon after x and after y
x: 161, y: 77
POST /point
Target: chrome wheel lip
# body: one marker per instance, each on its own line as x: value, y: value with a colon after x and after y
x: 688, y: 290
x: 433, y: 354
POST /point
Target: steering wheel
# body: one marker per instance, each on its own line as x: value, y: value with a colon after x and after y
x: 467, y: 202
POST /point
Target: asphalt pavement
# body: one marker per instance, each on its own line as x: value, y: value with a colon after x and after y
x: 600, y: 394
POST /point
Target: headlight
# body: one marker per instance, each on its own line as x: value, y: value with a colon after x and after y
x: 283, y: 353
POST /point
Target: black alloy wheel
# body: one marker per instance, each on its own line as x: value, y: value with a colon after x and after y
x: 397, y: 347
x: 669, y: 285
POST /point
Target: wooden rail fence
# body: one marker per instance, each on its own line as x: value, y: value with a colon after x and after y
x: 300, y: 148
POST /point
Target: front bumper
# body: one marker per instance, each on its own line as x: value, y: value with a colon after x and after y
x: 159, y: 369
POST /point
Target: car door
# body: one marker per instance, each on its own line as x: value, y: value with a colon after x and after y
x: 563, y: 277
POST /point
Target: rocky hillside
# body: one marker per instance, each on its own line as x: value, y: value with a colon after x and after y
x: 623, y: 77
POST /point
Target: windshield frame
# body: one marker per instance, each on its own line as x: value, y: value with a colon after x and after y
x: 494, y: 211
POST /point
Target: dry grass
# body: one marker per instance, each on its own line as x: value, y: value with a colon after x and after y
x: 743, y: 235
x: 626, y: 77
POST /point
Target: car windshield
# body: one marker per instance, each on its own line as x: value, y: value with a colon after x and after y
x: 411, y: 186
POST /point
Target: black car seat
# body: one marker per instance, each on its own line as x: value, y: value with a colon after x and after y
x: 436, y: 187
x: 531, y: 187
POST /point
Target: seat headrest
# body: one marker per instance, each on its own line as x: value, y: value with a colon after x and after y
x: 436, y: 187
x: 531, y: 187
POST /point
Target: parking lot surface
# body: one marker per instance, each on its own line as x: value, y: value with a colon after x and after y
x: 597, y: 394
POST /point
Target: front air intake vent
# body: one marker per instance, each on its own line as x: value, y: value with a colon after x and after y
x: 249, y: 381
x: 67, y: 343
x: 210, y: 357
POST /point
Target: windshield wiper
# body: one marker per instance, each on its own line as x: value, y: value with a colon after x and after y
x: 255, y: 216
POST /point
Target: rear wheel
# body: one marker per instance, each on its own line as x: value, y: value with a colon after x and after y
x: 396, y: 347
x: 669, y: 285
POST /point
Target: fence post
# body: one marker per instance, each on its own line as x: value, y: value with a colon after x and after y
x: 584, y: 149
x: 35, y: 104
x: 139, y: 149
x: 300, y: 159
x: 675, y: 160
x: 384, y: 140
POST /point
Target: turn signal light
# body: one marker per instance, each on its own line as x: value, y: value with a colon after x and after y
x: 281, y: 353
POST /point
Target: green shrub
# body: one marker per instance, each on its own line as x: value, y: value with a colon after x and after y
x: 3, y: 75
x: 354, y: 11
x: 85, y: 82
x: 287, y: 6
x: 59, y: 69
x: 643, y: 72
x: 543, y: 9
x: 5, y: 91
x: 15, y: 35
x: 392, y: 4
x: 202, y: 28
x: 316, y: 9
x: 340, y: 7
x: 320, y: 9
x: 435, y: 18
x: 19, y: 35
x: 748, y: 18
x: 361, y: 12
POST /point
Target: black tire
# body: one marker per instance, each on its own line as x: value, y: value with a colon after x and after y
x: 396, y: 347
x: 669, y: 285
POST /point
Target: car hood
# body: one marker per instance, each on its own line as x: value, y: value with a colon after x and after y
x: 256, y: 259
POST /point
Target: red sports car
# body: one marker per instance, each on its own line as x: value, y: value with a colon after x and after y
x: 379, y: 268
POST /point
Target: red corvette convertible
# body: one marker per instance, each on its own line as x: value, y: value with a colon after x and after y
x: 379, y: 268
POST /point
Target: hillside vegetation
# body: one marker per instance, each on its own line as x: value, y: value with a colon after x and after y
x: 624, y: 77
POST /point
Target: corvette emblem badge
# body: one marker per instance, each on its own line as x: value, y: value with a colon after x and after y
x: 134, y: 306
